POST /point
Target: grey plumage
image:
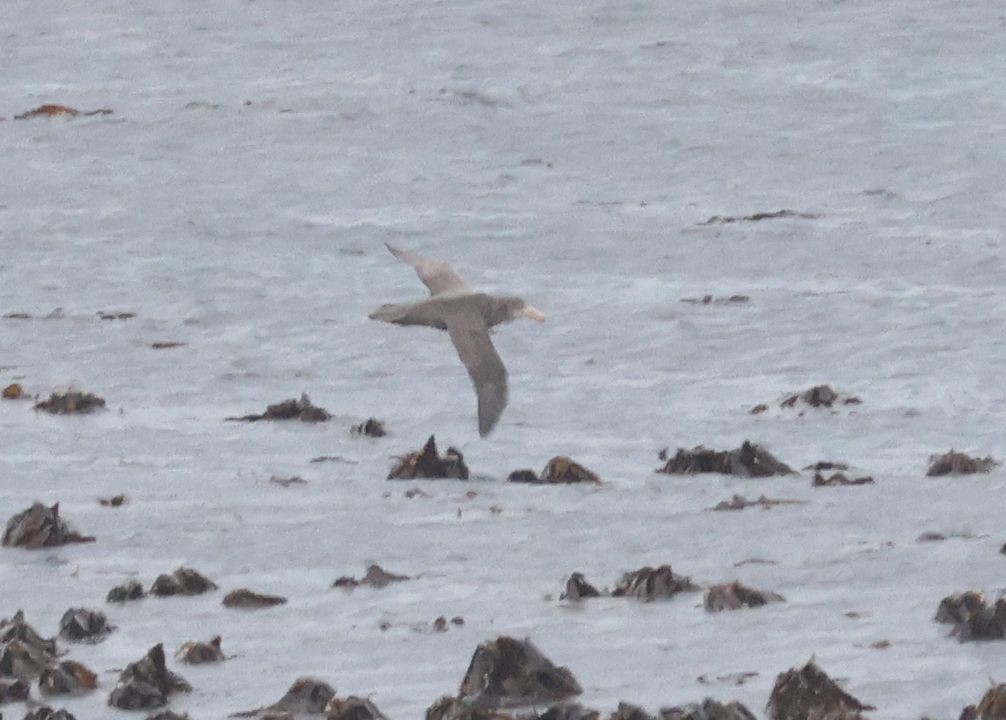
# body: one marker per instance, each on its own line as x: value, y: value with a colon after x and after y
x: 467, y: 316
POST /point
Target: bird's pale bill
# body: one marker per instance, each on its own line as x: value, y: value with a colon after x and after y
x: 533, y: 313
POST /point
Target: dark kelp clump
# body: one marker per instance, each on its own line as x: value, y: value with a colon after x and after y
x: 198, y: 653
x: 248, y: 600
x: 53, y: 110
x: 40, y: 526
x: 809, y: 693
x: 183, y: 581
x: 733, y: 596
x: 955, y: 463
x: 375, y: 577
x: 508, y: 673
x: 147, y: 683
x: 71, y: 402
x: 291, y: 409
x: 129, y: 590
x: 427, y: 463
x: 749, y: 460
x: 84, y: 625
x: 758, y: 217
x: 650, y: 583
x: 972, y: 617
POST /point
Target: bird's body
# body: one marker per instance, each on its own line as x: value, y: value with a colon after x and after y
x: 467, y: 316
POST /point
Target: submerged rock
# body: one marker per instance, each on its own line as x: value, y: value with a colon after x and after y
x: 708, y: 709
x: 955, y: 463
x: 733, y: 596
x: 147, y: 683
x: 291, y: 409
x: 130, y: 590
x: 352, y: 708
x: 972, y: 617
x: 84, y: 625
x: 819, y: 396
x: 577, y: 588
x: 426, y: 463
x: 371, y: 427
x: 758, y: 217
x: 67, y: 678
x: 183, y: 581
x: 375, y: 577
x: 650, y: 583
x: 506, y: 672
x: 198, y: 653
x: 739, y: 502
x: 40, y: 526
x: 248, y: 600
x: 71, y: 403
x: 114, y: 501
x: 51, y: 110
x: 749, y: 460
x: 809, y: 694
x: 839, y: 478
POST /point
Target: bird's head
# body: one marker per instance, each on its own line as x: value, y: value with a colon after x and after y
x: 512, y: 308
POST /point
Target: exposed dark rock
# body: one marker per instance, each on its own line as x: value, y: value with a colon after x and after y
x: 649, y: 583
x: 84, y: 625
x: 40, y: 526
x: 47, y: 713
x: 290, y: 409
x: 578, y: 588
x: 71, y: 403
x: 523, y: 476
x: 739, y: 502
x: 129, y: 590
x: 839, y: 478
x: 506, y: 672
x: 371, y: 427
x: 566, y: 711
x: 628, y: 711
x: 183, y: 581
x: 827, y: 465
x: 376, y: 577
x: 114, y: 501
x: 426, y: 463
x: 199, y: 653
x: 749, y: 460
x: 352, y: 708
x: 992, y: 706
x: 17, y: 628
x: 708, y: 709
x: 246, y: 599
x: 757, y: 409
x: 955, y: 463
x: 147, y: 683
x: 24, y: 654
x: 563, y: 470
x: 67, y: 678
x: 13, y: 691
x: 733, y: 596
x: 759, y: 216
x: 972, y: 617
x: 307, y: 695
x: 809, y: 694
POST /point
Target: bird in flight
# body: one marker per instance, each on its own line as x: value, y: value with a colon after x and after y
x: 467, y: 316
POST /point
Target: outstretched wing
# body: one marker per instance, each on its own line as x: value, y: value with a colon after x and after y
x: 470, y: 335
x: 437, y: 275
